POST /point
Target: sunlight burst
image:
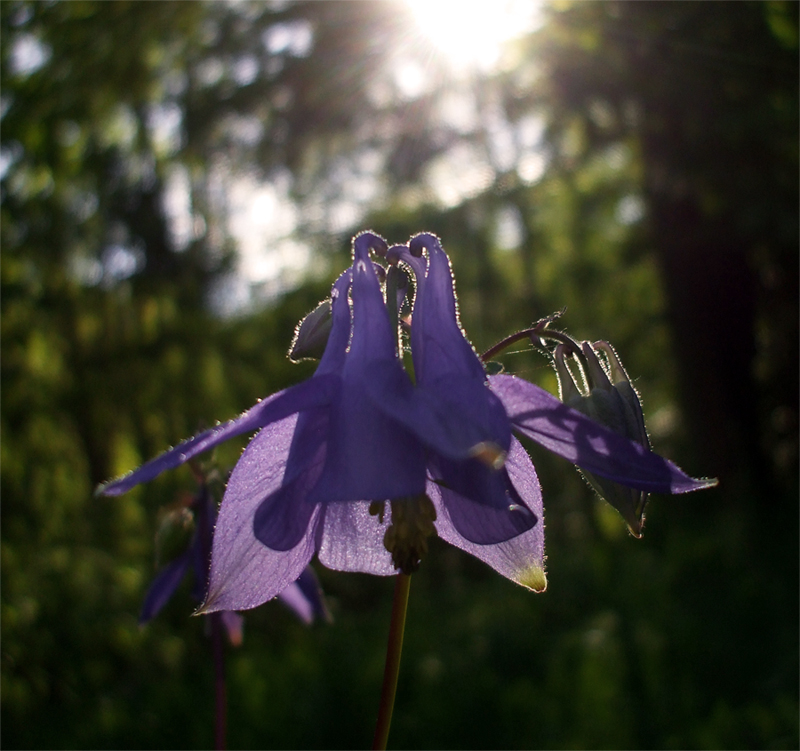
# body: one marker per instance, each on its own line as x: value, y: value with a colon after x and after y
x: 470, y: 34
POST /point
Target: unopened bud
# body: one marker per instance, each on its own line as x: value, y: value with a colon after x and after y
x: 174, y: 534
x: 311, y: 334
x: 634, y: 416
x: 608, y: 398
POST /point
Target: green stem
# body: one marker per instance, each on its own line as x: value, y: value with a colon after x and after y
x: 394, y: 649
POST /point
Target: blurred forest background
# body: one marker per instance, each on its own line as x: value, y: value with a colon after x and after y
x: 180, y: 183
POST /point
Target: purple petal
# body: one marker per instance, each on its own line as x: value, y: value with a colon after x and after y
x: 469, y: 407
x: 351, y: 539
x: 244, y: 572
x: 373, y: 337
x: 315, y: 392
x: 369, y: 455
x: 452, y: 416
x: 485, y: 525
x: 310, y: 587
x: 521, y: 558
x: 418, y: 264
x: 482, y: 503
x: 164, y: 586
x: 294, y: 598
x: 539, y: 415
x: 438, y: 344
x: 450, y: 409
x: 397, y: 279
x: 281, y: 519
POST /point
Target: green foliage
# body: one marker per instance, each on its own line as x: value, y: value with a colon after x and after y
x: 665, y: 221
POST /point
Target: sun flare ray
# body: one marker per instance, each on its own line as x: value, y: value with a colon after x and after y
x: 469, y: 34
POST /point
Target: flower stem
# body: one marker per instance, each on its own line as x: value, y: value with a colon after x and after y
x: 402, y: 584
x: 535, y: 334
x: 220, y: 703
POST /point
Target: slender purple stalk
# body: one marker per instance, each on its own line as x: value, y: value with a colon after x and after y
x: 220, y: 701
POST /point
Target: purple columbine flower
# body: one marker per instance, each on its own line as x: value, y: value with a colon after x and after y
x: 303, y: 597
x: 321, y: 481
x: 335, y: 449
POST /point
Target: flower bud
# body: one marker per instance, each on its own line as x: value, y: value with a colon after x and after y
x: 174, y: 533
x: 608, y: 398
x: 311, y: 334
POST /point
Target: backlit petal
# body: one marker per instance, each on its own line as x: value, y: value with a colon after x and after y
x: 482, y: 504
x: 244, y: 572
x: 450, y: 416
x: 438, y: 344
x: 521, y: 558
x: 281, y: 519
x: 350, y: 539
x: 369, y: 455
x: 545, y: 419
x: 450, y: 409
x: 334, y: 356
x: 314, y: 392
